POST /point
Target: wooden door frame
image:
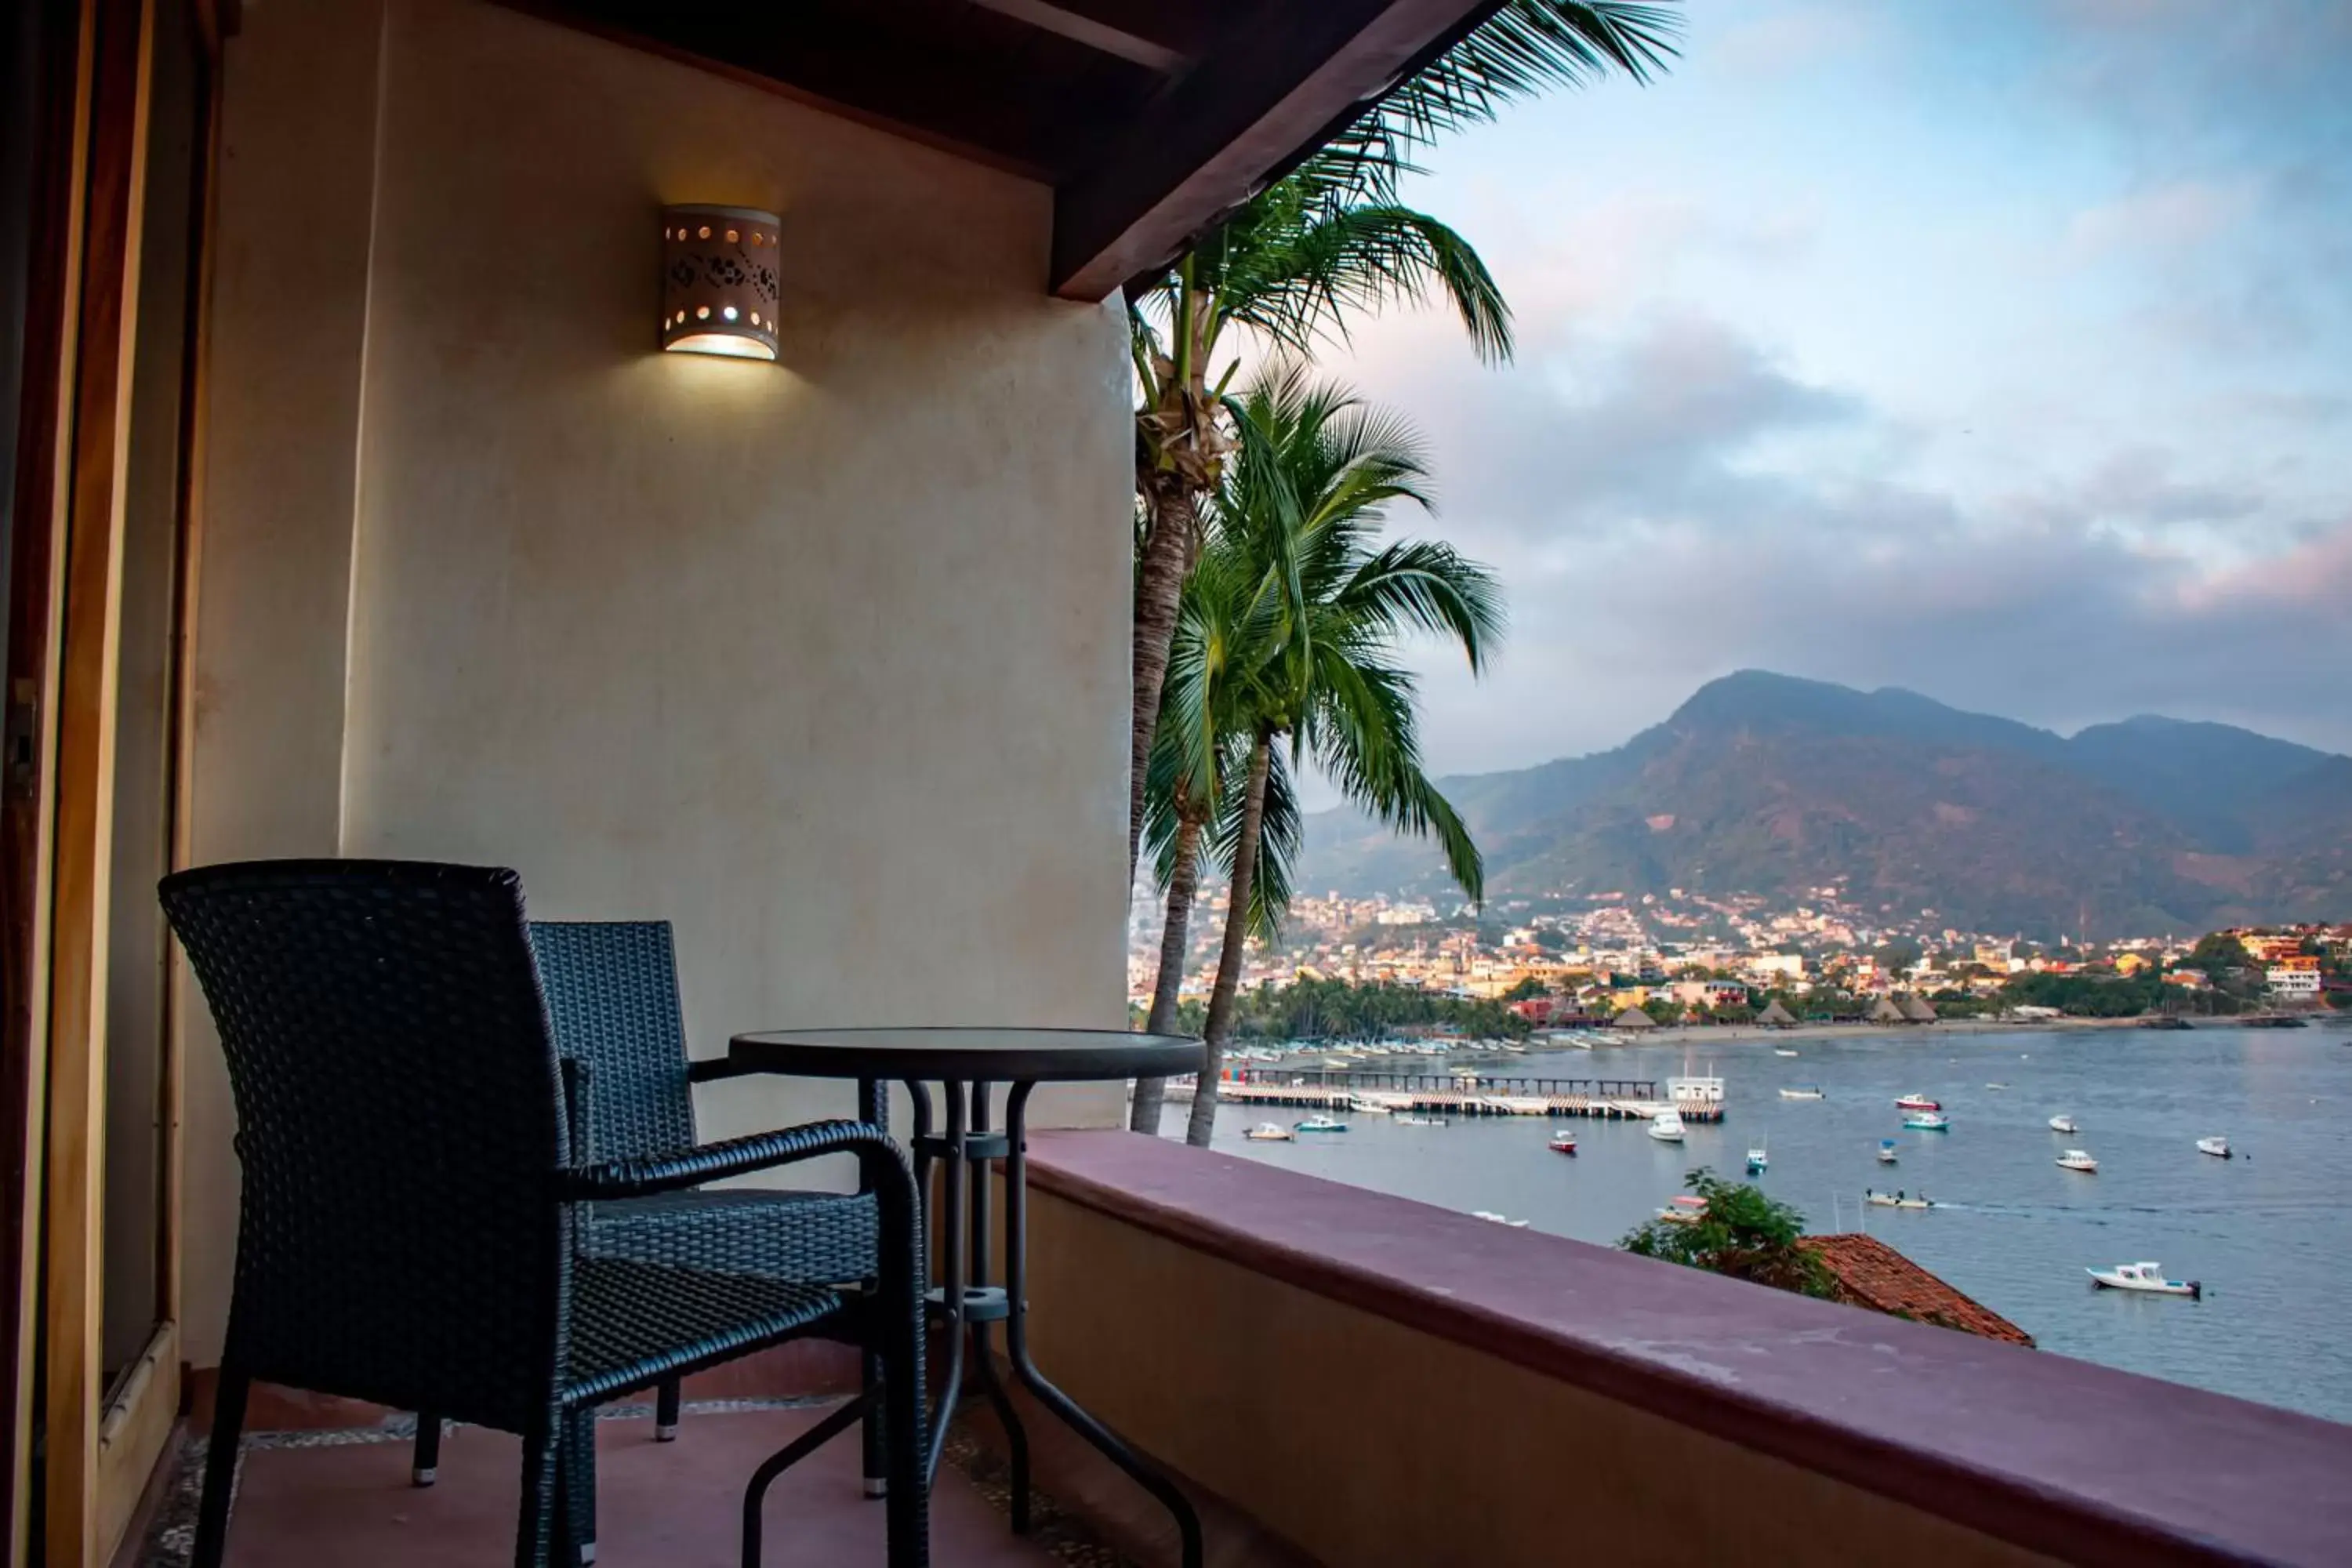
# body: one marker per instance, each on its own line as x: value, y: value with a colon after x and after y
x: 65, y: 43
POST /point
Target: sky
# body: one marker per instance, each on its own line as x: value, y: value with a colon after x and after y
x: 2000, y: 351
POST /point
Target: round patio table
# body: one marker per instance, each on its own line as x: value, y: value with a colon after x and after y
x: 967, y: 1064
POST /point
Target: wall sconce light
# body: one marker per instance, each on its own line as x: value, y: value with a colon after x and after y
x: 718, y: 281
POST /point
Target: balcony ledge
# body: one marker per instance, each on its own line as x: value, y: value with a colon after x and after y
x: 2045, y: 1452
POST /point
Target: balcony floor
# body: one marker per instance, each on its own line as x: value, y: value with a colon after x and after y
x: 343, y: 1498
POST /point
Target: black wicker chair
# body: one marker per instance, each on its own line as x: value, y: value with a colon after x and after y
x: 611, y: 993
x: 409, y: 1232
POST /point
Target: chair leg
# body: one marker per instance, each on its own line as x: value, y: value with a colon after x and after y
x: 906, y: 1501
x: 220, y: 1467
x: 870, y: 1435
x: 535, y: 1526
x: 579, y: 1484
x: 666, y: 1403
x: 426, y: 1467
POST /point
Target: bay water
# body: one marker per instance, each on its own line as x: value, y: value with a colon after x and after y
x: 2269, y: 1233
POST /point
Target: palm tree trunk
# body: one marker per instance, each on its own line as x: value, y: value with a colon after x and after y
x: 1159, y: 585
x: 1229, y: 957
x: 1144, y: 1116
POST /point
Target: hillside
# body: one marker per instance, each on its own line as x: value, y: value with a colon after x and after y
x: 1762, y: 782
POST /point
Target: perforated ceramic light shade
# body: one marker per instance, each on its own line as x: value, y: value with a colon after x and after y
x: 718, y: 281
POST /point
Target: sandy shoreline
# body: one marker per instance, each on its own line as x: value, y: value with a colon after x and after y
x: 1712, y: 1034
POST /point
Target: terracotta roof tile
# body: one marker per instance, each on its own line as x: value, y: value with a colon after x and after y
x: 1871, y: 1274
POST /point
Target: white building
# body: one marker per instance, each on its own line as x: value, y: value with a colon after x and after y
x: 2293, y: 978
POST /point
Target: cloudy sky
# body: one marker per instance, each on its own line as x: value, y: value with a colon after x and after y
x: 2000, y: 352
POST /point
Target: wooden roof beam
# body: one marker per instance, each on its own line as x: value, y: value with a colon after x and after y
x: 1279, y: 84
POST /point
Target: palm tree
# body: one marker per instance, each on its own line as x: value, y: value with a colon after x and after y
x: 1296, y: 524
x: 1225, y: 633
x: 1329, y: 239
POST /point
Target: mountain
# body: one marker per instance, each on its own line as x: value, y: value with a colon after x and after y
x: 1766, y: 783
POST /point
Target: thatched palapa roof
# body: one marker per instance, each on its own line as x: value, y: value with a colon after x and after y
x: 1917, y: 1011
x: 1632, y: 1019
x: 1776, y: 1014
x: 1886, y: 1012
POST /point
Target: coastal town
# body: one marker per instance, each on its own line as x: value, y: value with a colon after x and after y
x: 1688, y: 957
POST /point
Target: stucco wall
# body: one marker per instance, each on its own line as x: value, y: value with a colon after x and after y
x: 824, y: 661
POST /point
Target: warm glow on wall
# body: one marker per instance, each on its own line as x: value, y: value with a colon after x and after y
x: 718, y: 281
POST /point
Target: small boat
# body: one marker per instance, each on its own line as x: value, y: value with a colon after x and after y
x: 1756, y: 1161
x: 1894, y: 1200
x: 1919, y: 1103
x: 1563, y: 1141
x: 2217, y: 1147
x: 1666, y: 1127
x: 1684, y: 1208
x: 1929, y: 1121
x: 1812, y: 1092
x: 1886, y: 1150
x: 1783, y: 1051
x: 2147, y: 1277
x: 2079, y: 1160
x: 1320, y: 1124
x: 1269, y: 1132
x: 2064, y: 1124
x: 1491, y: 1216
x: 1420, y: 1121
x: 1996, y: 1086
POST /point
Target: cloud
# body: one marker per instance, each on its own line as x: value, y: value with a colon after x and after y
x: 2169, y: 218
x: 1646, y: 550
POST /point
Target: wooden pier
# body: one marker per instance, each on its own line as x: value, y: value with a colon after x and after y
x: 1324, y: 1088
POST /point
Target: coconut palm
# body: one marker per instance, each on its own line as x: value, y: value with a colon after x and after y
x: 1225, y: 634
x: 1297, y: 521
x: 1327, y: 240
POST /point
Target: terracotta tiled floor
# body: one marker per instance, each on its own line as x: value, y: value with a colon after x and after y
x: 660, y: 1505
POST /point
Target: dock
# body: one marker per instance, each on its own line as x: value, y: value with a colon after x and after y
x: 1323, y: 1088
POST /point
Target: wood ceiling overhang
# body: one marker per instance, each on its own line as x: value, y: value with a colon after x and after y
x: 1149, y: 120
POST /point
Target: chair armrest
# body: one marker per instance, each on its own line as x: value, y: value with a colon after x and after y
x: 646, y: 1174
x: 713, y: 1069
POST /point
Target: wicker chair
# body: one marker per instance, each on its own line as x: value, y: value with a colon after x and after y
x: 411, y: 1210
x: 611, y: 994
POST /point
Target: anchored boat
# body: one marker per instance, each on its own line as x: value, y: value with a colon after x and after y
x: 1756, y: 1161
x: 1269, y: 1132
x: 2063, y: 1124
x: 2147, y: 1276
x: 1320, y: 1124
x: 1919, y: 1103
x: 2217, y: 1147
x: 1886, y: 1150
x: 1929, y: 1121
x: 1810, y: 1092
x: 2079, y: 1160
x: 1563, y: 1141
x: 1666, y: 1127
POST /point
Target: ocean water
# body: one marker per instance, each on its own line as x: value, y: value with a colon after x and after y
x: 2269, y: 1233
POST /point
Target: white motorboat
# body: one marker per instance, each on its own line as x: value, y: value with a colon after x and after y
x: 1420, y: 1121
x: 2147, y: 1277
x: 1886, y: 1151
x: 1499, y: 1219
x: 2078, y: 1159
x: 2217, y: 1147
x: 1270, y: 1132
x: 1783, y: 1051
x: 1563, y: 1141
x: 2064, y: 1124
x: 1894, y: 1200
x: 1666, y: 1127
x: 1812, y: 1092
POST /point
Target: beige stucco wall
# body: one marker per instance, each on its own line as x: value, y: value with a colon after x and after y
x: 824, y: 661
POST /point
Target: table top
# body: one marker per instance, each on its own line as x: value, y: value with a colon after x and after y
x: 965, y: 1055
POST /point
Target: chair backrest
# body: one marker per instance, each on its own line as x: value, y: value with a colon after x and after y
x: 400, y: 1126
x: 612, y: 991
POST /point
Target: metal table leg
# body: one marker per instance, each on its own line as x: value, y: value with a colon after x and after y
x: 950, y: 1306
x: 1016, y: 1218
x: 984, y: 1350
